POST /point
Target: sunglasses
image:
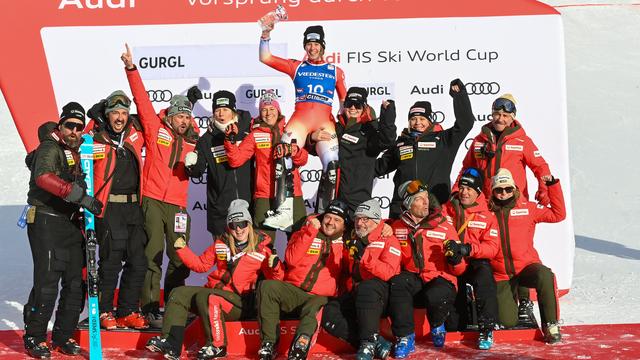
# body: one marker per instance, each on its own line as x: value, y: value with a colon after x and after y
x: 118, y: 100
x: 504, y: 105
x: 350, y: 103
x: 238, y: 225
x: 415, y: 187
x: 507, y: 190
x: 73, y: 126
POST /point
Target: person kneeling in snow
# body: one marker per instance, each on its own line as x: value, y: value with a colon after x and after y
x: 517, y: 263
x: 240, y: 256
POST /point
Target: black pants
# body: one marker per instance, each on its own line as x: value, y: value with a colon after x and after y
x: 122, y: 238
x: 355, y: 316
x: 480, y: 275
x: 57, y: 251
x: 437, y: 295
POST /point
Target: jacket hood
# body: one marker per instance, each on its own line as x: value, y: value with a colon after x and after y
x: 514, y: 130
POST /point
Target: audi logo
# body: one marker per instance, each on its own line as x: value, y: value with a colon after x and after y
x: 159, y: 95
x: 468, y: 142
x: 437, y: 117
x: 202, y: 121
x: 199, y: 180
x: 384, y: 201
x: 482, y: 88
x: 310, y: 175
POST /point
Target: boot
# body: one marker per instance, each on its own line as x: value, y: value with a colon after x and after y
x: 36, y: 350
x: 327, y: 189
x: 526, y: 317
x: 438, y: 335
x: 383, y: 347
x: 366, y: 351
x: 267, y: 351
x: 158, y: 344
x: 107, y: 321
x: 282, y: 217
x: 69, y: 347
x: 552, y: 333
x: 485, y: 339
x: 212, y: 352
x: 405, y: 345
x: 299, y: 348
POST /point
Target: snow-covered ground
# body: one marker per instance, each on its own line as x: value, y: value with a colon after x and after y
x: 603, y: 53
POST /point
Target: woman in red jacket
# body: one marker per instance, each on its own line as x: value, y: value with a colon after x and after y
x: 517, y: 263
x: 264, y: 143
x: 239, y: 257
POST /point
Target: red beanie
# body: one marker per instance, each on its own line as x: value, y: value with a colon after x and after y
x: 269, y: 98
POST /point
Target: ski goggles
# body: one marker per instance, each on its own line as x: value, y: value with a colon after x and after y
x: 118, y: 100
x: 73, y: 126
x: 238, y: 225
x: 507, y: 190
x: 181, y: 103
x: 416, y: 186
x: 503, y: 104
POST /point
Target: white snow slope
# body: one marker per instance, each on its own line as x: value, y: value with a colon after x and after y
x: 603, y: 53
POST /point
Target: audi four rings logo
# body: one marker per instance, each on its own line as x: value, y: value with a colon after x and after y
x: 159, y: 95
x: 199, y: 180
x: 482, y: 88
x: 310, y: 175
x: 467, y: 143
x: 203, y: 121
x: 384, y: 201
x: 437, y: 117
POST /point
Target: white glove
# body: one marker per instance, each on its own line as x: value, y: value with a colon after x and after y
x: 190, y: 159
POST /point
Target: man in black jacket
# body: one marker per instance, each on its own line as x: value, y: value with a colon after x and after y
x: 57, y: 190
x: 224, y: 183
x: 425, y: 151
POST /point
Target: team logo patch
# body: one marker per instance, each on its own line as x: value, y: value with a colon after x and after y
x: 350, y: 138
x: 394, y: 251
x: 514, y: 147
x: 70, y: 160
x: 406, y: 152
x: 493, y: 232
x: 477, y: 224
x: 436, y: 234
x: 99, y: 151
x: 314, y: 248
x: 426, y: 144
x: 537, y: 153
x: 519, y: 212
x: 133, y: 137
x: 404, y: 243
x: 219, y: 154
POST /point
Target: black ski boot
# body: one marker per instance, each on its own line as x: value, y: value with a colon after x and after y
x: 300, y: 348
x: 267, y: 351
x: 526, y: 317
x: 69, y: 347
x: 36, y: 350
x: 158, y: 344
x: 552, y: 333
x: 212, y: 352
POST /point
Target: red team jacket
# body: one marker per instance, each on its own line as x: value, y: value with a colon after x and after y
x: 481, y: 231
x: 237, y: 274
x: 261, y: 142
x: 314, y: 263
x: 423, y: 248
x: 380, y: 258
x: 517, y: 227
x: 164, y: 172
x: 514, y: 151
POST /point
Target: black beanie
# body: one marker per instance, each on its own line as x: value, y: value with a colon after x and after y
x: 72, y: 110
x: 314, y: 34
x: 472, y: 178
x: 224, y: 98
x: 421, y: 108
x: 339, y: 208
x: 356, y: 95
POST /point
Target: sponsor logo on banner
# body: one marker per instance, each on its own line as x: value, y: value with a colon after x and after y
x: 519, y: 212
x: 482, y: 88
x: 89, y: 4
x: 384, y: 201
x: 310, y: 175
x: 159, y: 95
x: 485, y: 117
x: 514, y: 147
x: 160, y: 62
x: 436, y: 234
x: 427, y: 90
x: 202, y: 121
x: 437, y: 117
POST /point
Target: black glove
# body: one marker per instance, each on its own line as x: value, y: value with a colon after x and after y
x: 194, y: 94
x: 457, y: 248
x: 78, y: 196
x: 230, y: 132
x: 97, y: 114
x: 454, y: 260
x: 552, y: 181
x: 452, y: 252
x: 463, y: 90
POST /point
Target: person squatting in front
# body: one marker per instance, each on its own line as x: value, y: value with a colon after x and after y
x: 477, y: 228
x: 263, y: 143
x: 225, y: 181
x: 425, y: 275
x: 168, y: 137
x: 362, y: 137
x: 240, y: 256
x: 425, y: 151
x: 316, y: 82
x: 118, y: 141
x: 517, y: 264
x: 57, y: 190
x: 314, y: 266
x: 371, y: 260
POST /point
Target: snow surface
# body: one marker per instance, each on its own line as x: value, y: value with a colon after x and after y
x: 603, y: 78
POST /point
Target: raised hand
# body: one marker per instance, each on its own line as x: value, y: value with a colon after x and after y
x: 127, y: 58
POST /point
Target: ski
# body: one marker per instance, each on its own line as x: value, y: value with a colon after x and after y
x: 95, y: 346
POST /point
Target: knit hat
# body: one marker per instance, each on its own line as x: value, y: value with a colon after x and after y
x: 224, y: 98
x: 269, y: 98
x: 421, y: 108
x: 356, y: 96
x: 238, y: 211
x: 179, y: 104
x: 117, y: 100
x: 339, y: 208
x: 472, y: 178
x: 72, y: 110
x: 409, y: 189
x: 369, y: 209
x: 502, y: 179
x: 314, y: 34
x: 505, y: 103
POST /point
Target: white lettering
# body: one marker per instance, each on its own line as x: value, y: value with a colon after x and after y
x: 98, y: 4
